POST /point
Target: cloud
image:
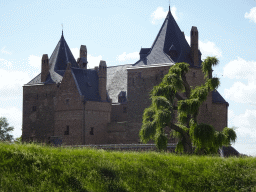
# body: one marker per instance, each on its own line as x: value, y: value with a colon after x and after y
x: 6, y: 63
x: 245, y: 124
x: 129, y: 56
x: 240, y: 69
x: 159, y: 14
x: 241, y: 92
x: 34, y: 61
x: 14, y: 118
x: 93, y: 61
x: 207, y: 48
x: 12, y: 82
x: 251, y: 15
x: 5, y: 52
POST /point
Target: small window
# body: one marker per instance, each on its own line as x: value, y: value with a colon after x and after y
x: 194, y: 74
x: 91, y: 132
x: 67, y: 131
x: 36, y: 96
x: 67, y: 101
x: 124, y: 109
x: 156, y: 77
x: 139, y: 74
x: 34, y: 108
x: 206, y: 106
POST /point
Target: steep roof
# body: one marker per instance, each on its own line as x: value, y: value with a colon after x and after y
x: 169, y: 36
x: 217, y: 98
x: 87, y: 83
x: 57, y: 63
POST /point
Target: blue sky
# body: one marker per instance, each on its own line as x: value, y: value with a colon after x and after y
x: 115, y: 31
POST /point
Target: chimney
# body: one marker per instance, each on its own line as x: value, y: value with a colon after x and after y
x: 44, y: 67
x: 194, y: 45
x: 102, y: 74
x: 82, y: 61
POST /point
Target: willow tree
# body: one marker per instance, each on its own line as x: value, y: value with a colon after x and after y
x: 159, y: 117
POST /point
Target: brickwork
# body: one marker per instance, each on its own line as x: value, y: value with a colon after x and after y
x: 119, y: 112
x: 220, y: 115
x: 38, y: 112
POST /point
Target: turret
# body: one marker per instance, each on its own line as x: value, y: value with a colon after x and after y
x: 44, y: 67
x: 194, y: 45
x: 82, y: 61
x: 102, y: 74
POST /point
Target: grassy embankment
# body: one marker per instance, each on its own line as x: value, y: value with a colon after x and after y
x: 37, y: 168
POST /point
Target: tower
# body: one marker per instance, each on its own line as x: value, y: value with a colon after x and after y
x: 194, y: 45
x: 44, y: 67
x: 102, y: 73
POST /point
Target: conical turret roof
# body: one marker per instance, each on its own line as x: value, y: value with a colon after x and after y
x: 59, y: 60
x: 168, y: 36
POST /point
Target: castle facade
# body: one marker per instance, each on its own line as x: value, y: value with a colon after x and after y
x: 69, y: 103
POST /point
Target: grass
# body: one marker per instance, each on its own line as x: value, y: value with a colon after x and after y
x: 31, y: 167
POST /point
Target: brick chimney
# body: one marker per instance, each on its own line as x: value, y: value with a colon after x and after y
x: 44, y: 67
x: 102, y: 74
x: 194, y: 45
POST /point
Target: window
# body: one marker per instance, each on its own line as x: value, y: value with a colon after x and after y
x: 67, y: 101
x: 34, y: 108
x: 67, y: 131
x: 36, y: 96
x: 124, y: 109
x: 156, y: 78
x: 194, y: 74
x: 206, y: 106
x: 91, y: 132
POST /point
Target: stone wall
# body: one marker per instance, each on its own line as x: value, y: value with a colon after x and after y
x: 220, y: 115
x: 38, y: 112
x: 118, y: 112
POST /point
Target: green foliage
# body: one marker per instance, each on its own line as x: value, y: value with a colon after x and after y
x: 159, y: 115
x: 230, y: 135
x: 5, y: 129
x: 161, y: 140
x: 207, y: 65
x: 202, y: 135
x: 31, y: 167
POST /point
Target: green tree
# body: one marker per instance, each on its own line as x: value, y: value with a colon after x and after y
x: 5, y: 129
x: 160, y: 115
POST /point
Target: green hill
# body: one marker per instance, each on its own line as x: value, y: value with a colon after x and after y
x: 33, y: 167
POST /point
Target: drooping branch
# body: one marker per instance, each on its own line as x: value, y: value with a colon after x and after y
x: 186, y: 85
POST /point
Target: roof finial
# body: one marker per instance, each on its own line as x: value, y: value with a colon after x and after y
x: 169, y: 6
x: 62, y: 28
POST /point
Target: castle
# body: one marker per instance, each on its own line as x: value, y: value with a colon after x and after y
x: 104, y: 105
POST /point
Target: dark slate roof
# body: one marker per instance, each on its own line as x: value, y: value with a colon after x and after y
x: 35, y: 80
x: 217, y: 98
x: 144, y: 50
x: 169, y: 34
x: 87, y: 83
x: 116, y: 81
x: 58, y: 63
x: 230, y: 151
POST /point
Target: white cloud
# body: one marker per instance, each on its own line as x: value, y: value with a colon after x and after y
x: 159, y: 14
x: 5, y: 52
x: 207, y: 48
x: 75, y: 52
x: 92, y: 60
x: 245, y: 124
x: 14, y: 118
x: 130, y: 56
x: 6, y: 63
x: 241, y: 69
x: 12, y: 82
x: 251, y: 15
x: 35, y: 61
